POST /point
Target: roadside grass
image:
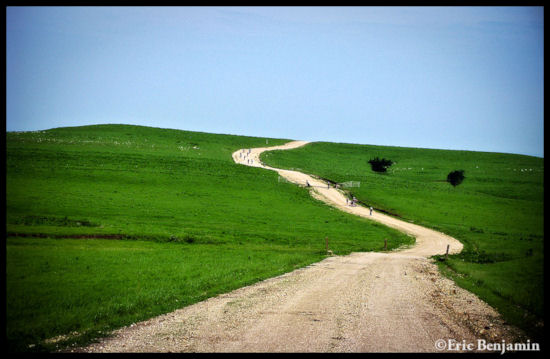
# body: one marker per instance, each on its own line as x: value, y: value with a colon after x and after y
x: 184, y: 223
x: 497, y: 212
x: 85, y: 288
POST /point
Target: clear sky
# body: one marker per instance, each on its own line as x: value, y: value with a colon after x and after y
x: 467, y: 78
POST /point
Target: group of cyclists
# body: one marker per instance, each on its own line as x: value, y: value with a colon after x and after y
x: 353, y: 202
x: 244, y: 154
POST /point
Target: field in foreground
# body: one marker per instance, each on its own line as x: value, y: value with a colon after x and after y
x: 111, y: 224
x: 497, y: 212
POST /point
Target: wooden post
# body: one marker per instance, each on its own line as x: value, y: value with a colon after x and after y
x: 326, y: 244
x: 447, y: 253
x: 385, y: 244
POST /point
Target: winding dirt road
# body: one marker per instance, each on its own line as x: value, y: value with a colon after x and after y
x: 428, y: 242
x: 362, y: 302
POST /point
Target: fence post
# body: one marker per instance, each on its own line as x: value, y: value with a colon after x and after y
x: 326, y: 244
x: 385, y: 244
x: 447, y: 253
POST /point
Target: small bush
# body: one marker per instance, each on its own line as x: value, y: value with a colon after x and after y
x: 380, y: 165
x: 455, y: 177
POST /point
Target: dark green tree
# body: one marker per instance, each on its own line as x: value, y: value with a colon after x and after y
x: 455, y: 177
x: 380, y: 165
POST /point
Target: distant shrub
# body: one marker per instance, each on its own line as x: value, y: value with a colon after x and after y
x: 380, y: 165
x: 455, y: 177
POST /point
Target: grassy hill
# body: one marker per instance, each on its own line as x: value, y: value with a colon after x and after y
x: 111, y: 224
x: 497, y: 212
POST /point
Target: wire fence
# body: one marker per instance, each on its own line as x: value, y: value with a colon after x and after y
x: 350, y: 184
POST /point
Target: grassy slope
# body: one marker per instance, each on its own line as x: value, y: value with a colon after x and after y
x: 199, y: 225
x: 497, y: 212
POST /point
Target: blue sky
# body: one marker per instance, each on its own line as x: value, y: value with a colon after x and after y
x: 469, y: 78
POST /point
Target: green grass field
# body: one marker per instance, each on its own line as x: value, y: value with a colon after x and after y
x: 497, y: 212
x: 112, y: 224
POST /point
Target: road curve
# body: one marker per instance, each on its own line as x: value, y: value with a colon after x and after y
x: 428, y: 242
x: 362, y: 302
